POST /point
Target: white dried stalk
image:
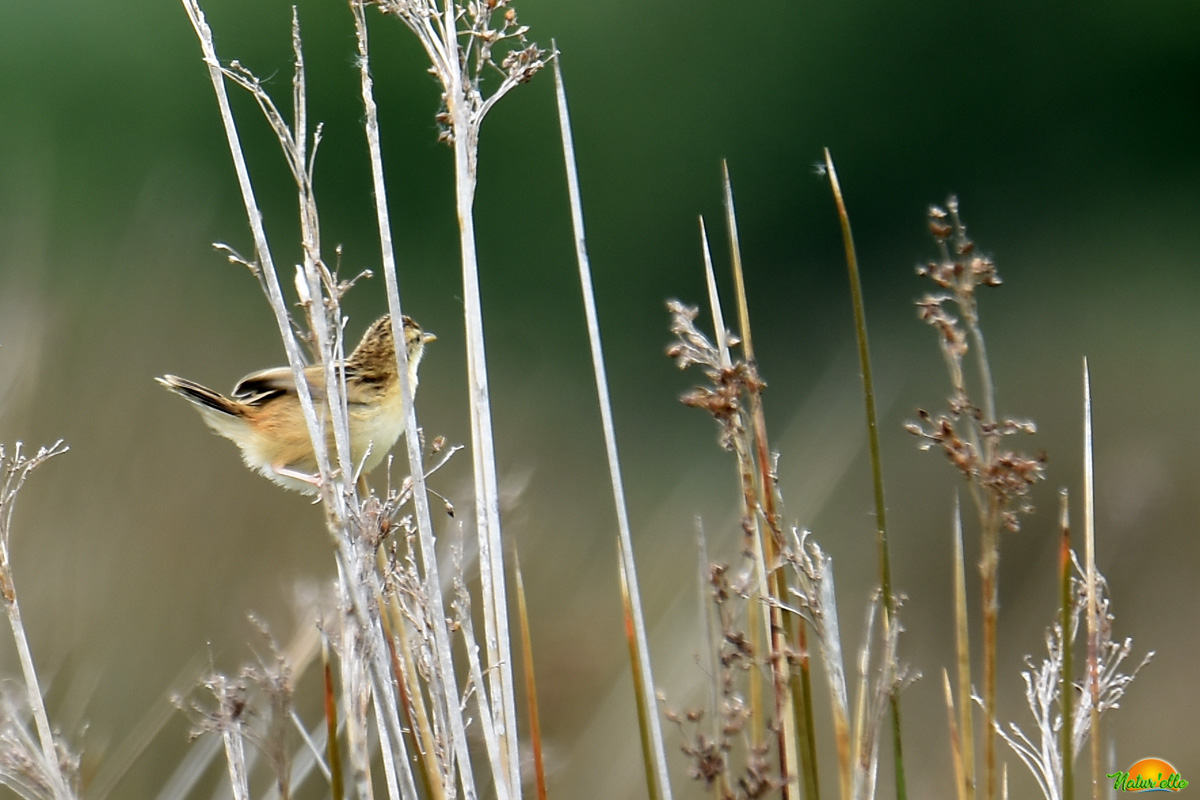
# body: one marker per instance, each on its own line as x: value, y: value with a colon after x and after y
x: 441, y: 637
x: 1040, y: 752
x: 235, y: 757
x: 319, y: 293
x: 47, y: 764
x: 353, y: 693
x: 460, y: 40
x: 610, y: 439
x: 710, y: 280
x: 1093, y: 612
x: 462, y: 615
x: 879, y: 676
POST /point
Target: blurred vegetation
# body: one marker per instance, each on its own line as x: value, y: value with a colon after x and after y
x: 1069, y: 133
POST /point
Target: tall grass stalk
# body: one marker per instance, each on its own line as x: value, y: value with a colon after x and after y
x: 504, y: 754
x: 535, y: 724
x: 956, y: 751
x: 459, y: 40
x: 864, y: 361
x: 646, y: 716
x: 760, y: 499
x: 962, y: 651
x: 655, y: 753
x: 1093, y: 608
x: 970, y: 433
x: 333, y: 754
x: 1066, y: 691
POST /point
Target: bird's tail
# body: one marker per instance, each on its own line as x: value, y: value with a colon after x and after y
x: 200, y: 395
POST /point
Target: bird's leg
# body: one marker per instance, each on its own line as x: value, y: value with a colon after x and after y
x: 303, y: 477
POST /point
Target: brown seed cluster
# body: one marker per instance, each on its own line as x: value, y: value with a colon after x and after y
x: 728, y: 382
x: 970, y: 436
x: 713, y: 747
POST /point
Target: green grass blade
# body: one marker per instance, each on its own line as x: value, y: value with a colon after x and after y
x: 864, y: 358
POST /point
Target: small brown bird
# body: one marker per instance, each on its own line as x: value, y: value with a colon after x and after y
x: 263, y: 417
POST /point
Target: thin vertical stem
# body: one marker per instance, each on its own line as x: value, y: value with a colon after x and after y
x: 411, y: 435
x: 483, y: 452
x: 535, y: 725
x: 962, y: 643
x: 639, y: 649
x: 1093, y: 616
x: 760, y: 474
x: 864, y: 360
x: 1066, y: 690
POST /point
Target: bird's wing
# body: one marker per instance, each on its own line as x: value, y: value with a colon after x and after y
x: 259, y: 387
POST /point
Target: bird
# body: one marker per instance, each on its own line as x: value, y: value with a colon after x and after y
x: 263, y: 417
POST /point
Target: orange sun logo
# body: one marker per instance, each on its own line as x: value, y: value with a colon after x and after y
x: 1149, y: 775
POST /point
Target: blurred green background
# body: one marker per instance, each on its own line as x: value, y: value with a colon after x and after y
x: 1069, y: 132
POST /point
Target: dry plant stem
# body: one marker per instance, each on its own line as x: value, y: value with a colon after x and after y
x: 714, y: 301
x: 235, y: 756
x: 15, y: 471
x: 487, y: 491
x: 991, y: 607
x: 987, y: 500
x: 736, y: 254
x: 639, y: 649
x: 465, y: 111
x: 33, y: 689
x: 962, y: 643
x: 535, y: 725
x: 411, y: 438
x: 757, y: 630
x: 805, y: 724
x: 263, y: 257
x: 319, y: 297
x: 712, y: 630
x: 416, y: 716
x: 647, y: 721
x: 990, y: 534
x: 812, y: 571
x: 462, y: 618
x: 864, y: 359
x: 1066, y: 692
x: 956, y: 752
x: 356, y: 709
x: 331, y: 741
x: 759, y: 624
x: 396, y: 761
x: 412, y: 705
x: 772, y: 591
x: 465, y: 120
x: 766, y: 504
x: 1093, y: 613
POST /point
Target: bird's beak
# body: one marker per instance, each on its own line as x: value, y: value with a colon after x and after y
x: 428, y: 337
